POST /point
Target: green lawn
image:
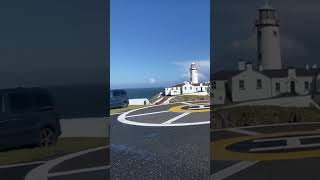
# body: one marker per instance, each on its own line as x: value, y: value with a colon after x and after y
x: 120, y: 110
x: 64, y: 146
x: 257, y: 115
x: 189, y: 98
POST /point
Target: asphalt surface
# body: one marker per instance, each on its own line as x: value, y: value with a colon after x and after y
x: 92, y: 165
x: 266, y: 153
x: 140, y: 152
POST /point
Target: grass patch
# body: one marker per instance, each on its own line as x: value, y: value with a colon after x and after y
x: 258, y: 115
x: 129, y: 108
x: 63, y: 147
x: 189, y: 98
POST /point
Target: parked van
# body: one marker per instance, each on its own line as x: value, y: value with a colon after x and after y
x: 27, y: 117
x: 118, y: 99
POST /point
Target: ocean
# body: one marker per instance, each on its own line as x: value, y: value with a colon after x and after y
x: 90, y: 100
x: 80, y: 101
x: 135, y: 93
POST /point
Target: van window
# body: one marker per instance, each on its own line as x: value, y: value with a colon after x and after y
x: 19, y: 102
x: 123, y: 93
x: 116, y: 93
x: 42, y: 100
x: 1, y: 104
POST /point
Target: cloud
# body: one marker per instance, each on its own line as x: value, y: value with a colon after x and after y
x: 290, y: 47
x: 152, y: 80
x: 202, y: 65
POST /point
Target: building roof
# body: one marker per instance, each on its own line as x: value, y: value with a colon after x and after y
x: 179, y: 85
x: 198, y: 84
x: 284, y: 72
x: 276, y: 73
x: 225, y: 74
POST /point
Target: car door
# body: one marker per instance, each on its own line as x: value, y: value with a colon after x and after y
x: 20, y: 120
x: 5, y: 125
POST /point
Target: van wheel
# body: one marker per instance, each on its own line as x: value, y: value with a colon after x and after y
x: 125, y: 105
x: 47, y: 137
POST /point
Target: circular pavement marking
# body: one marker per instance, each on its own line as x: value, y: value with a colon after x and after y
x: 264, y: 147
x: 193, y: 108
x: 41, y: 172
x: 168, y: 123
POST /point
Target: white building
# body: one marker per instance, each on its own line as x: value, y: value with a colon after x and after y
x: 253, y: 83
x: 267, y: 79
x: 189, y: 88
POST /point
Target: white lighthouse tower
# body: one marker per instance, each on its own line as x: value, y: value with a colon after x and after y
x: 194, y: 74
x: 267, y: 24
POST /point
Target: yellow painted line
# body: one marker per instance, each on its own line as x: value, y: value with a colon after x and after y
x: 219, y: 151
x: 179, y: 109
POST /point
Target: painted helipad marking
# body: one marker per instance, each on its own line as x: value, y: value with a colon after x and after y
x: 242, y: 131
x: 231, y: 170
x: 22, y: 164
x: 145, y: 114
x: 267, y: 125
x: 122, y: 119
x: 78, y: 171
x: 201, y: 108
x: 41, y: 172
x: 220, y: 148
x: 176, y: 118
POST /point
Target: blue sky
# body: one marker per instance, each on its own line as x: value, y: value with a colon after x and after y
x: 154, y: 41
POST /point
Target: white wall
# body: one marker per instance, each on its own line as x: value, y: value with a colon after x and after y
x: 250, y: 92
x: 142, y: 101
x: 269, y: 47
x: 285, y: 85
x: 188, y: 89
x: 219, y: 93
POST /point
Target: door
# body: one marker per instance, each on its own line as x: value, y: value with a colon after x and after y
x: 293, y: 87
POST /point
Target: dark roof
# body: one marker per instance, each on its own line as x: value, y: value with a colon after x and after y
x: 284, y: 72
x: 304, y: 72
x: 275, y: 73
x: 198, y: 84
x: 225, y: 74
x: 179, y: 85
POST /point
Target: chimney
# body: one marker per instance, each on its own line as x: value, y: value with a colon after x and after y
x: 185, y: 82
x: 260, y: 67
x: 307, y: 67
x: 292, y: 72
x: 249, y: 66
x: 242, y: 65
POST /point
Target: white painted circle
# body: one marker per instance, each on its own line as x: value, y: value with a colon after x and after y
x: 122, y: 119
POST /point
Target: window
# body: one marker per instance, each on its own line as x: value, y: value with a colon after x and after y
x: 277, y: 87
x: 190, y: 88
x: 214, y: 84
x: 259, y: 84
x: 275, y: 33
x: 306, y: 85
x: 259, y: 34
x: 259, y: 56
x: 19, y: 102
x: 1, y: 104
x: 42, y: 99
x: 185, y: 88
x: 116, y: 93
x: 241, y: 84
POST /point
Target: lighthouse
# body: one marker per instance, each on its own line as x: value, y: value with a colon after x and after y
x: 268, y: 37
x: 194, y: 74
